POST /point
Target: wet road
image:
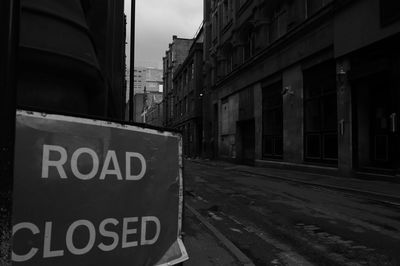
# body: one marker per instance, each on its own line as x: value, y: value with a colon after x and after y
x: 278, y: 222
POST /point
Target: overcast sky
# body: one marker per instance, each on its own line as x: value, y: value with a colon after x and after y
x: 157, y: 21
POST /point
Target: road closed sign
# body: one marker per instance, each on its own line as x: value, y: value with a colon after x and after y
x: 90, y: 192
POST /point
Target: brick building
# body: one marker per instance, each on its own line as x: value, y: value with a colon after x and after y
x: 174, y: 56
x: 147, y: 78
x: 138, y: 103
x: 146, y: 108
x: 187, y: 96
x: 305, y: 84
x: 154, y: 114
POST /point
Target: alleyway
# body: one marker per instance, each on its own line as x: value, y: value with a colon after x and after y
x: 275, y: 221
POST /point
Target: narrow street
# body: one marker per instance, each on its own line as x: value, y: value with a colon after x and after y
x: 279, y: 222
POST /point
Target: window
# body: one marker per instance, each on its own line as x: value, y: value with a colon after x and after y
x: 390, y: 11
x: 173, y: 59
x: 176, y: 111
x: 278, y: 26
x: 220, y: 69
x: 249, y: 46
x: 242, y: 2
x: 272, y: 119
x: 229, y: 62
x: 187, y: 76
x: 213, y: 4
x: 320, y: 114
x: 313, y: 6
x: 226, y: 12
x: 224, y: 116
x: 172, y: 109
x: 214, y: 26
x: 192, y: 104
x: 181, y: 84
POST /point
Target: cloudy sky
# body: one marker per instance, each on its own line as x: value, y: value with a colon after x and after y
x: 157, y: 21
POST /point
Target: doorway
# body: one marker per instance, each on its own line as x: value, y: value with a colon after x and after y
x: 377, y: 110
x: 246, y: 130
x: 320, y: 114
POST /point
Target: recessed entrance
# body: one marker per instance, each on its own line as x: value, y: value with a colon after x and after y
x: 377, y: 106
x: 246, y: 144
x: 320, y: 114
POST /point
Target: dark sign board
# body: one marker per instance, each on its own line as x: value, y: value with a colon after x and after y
x: 90, y: 192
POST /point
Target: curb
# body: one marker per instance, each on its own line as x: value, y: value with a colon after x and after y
x: 228, y: 244
x: 333, y: 187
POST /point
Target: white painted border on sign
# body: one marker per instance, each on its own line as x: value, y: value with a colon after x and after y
x: 96, y: 122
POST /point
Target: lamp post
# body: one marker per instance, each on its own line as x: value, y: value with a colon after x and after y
x: 132, y: 62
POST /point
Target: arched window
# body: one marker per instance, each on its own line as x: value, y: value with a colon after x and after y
x: 248, y: 39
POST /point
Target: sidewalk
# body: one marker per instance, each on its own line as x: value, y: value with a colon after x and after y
x: 383, y: 189
x: 206, y: 246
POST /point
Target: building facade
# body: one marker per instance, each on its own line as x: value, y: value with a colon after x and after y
x: 304, y: 84
x: 174, y: 56
x: 154, y: 114
x: 151, y: 100
x: 147, y: 78
x: 139, y: 81
x: 187, y: 96
x: 144, y: 104
x: 138, y: 103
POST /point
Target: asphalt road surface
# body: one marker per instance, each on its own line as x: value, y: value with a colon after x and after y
x: 278, y: 222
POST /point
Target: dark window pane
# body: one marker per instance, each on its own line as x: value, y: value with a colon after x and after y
x: 381, y: 148
x: 278, y: 146
x: 330, y: 83
x: 268, y: 145
x: 313, y: 146
x: 313, y: 115
x: 329, y: 106
x: 313, y: 91
x: 313, y: 6
x: 320, y: 112
x: 268, y: 122
x: 330, y: 146
x: 278, y: 129
x: 272, y: 121
x: 390, y: 11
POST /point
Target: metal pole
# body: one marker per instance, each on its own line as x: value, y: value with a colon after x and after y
x: 9, y: 11
x: 132, y: 63
x: 8, y: 80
